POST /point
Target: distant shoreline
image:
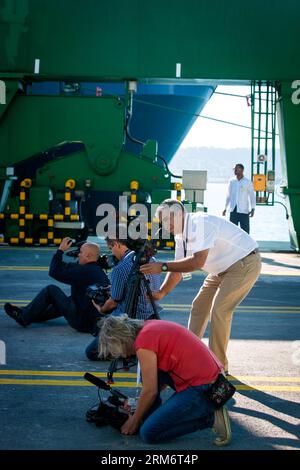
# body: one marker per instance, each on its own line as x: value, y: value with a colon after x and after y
x: 218, y: 162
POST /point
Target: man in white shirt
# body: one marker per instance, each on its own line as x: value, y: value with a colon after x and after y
x: 240, y: 199
x: 227, y: 253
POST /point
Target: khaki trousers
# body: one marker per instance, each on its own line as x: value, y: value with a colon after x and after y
x: 219, y: 295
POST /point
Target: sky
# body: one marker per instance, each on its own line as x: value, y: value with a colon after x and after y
x: 269, y: 223
x: 206, y: 133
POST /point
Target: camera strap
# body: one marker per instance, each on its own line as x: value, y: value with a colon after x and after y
x: 186, y: 238
x: 127, y: 253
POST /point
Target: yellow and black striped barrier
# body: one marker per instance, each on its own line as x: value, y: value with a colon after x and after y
x: 178, y: 188
x: 47, y: 221
x: 50, y: 230
x: 25, y: 185
x: 69, y: 185
x: 134, y: 186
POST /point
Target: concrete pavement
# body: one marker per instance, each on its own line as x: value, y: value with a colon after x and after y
x: 44, y: 397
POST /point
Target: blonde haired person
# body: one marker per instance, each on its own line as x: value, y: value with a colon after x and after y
x: 168, y: 354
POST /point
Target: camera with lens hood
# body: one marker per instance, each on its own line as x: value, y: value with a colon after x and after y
x: 109, y: 411
x: 104, y: 261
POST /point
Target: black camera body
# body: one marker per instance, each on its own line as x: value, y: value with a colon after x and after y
x: 98, y: 293
x: 109, y: 411
x: 144, y: 250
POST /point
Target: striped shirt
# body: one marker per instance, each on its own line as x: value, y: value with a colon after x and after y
x: 119, y: 287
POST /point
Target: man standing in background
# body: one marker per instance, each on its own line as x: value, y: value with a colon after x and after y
x: 240, y: 199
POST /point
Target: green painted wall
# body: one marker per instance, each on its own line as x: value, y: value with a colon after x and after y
x: 289, y: 124
x: 97, y: 39
x: 233, y: 39
x: 33, y: 124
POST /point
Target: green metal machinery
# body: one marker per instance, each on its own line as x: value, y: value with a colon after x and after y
x: 82, y: 138
x: 86, y: 168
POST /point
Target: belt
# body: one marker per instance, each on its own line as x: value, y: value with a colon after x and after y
x: 254, y: 252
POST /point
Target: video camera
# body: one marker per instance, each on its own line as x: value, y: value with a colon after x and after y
x: 109, y: 411
x: 144, y: 250
x: 104, y: 261
x: 98, y: 293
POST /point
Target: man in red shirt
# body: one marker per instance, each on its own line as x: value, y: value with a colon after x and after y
x: 166, y: 348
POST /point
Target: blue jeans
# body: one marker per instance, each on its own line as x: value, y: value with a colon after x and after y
x: 182, y: 413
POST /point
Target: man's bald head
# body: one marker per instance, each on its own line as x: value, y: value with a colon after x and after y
x: 89, y: 253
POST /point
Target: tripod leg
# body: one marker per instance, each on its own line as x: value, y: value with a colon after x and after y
x: 111, y: 370
x: 132, y: 300
x: 113, y: 367
x: 146, y: 283
x: 131, y: 307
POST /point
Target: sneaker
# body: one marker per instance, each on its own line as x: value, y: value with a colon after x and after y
x: 15, y: 313
x: 222, y: 427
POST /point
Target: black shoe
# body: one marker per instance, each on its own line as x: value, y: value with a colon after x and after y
x: 15, y: 313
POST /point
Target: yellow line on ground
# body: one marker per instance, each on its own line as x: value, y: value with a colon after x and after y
x: 292, y: 312
x: 269, y: 388
x: 76, y: 383
x: 81, y: 383
x: 186, y: 310
x: 183, y: 307
x: 292, y: 272
x: 253, y: 307
x: 62, y: 373
x: 261, y: 378
x: 269, y: 307
x: 24, y: 268
x: 177, y: 309
x: 132, y: 375
x: 243, y: 306
x: 27, y: 249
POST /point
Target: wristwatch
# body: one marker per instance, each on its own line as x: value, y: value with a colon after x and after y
x: 164, y: 267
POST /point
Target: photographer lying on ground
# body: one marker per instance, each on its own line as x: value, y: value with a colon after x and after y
x: 119, y: 287
x: 52, y: 302
x: 166, y: 349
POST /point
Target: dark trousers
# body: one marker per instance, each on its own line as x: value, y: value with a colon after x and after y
x: 239, y: 218
x: 92, y: 350
x: 50, y: 303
